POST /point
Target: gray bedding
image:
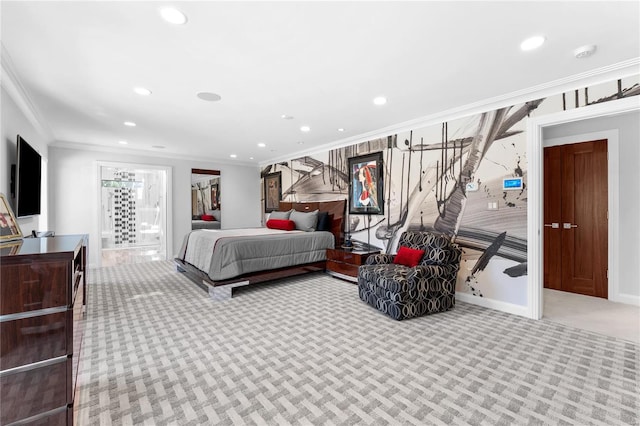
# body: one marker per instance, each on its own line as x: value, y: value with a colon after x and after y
x: 227, y: 254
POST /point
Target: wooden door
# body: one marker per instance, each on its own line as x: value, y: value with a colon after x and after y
x: 576, y: 250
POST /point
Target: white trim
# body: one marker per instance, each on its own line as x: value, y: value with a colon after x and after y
x: 97, y: 228
x: 613, y: 191
x: 590, y: 78
x: 498, y: 305
x: 145, y: 153
x: 535, y: 200
x: 628, y: 299
x: 18, y: 93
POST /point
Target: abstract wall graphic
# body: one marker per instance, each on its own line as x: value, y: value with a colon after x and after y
x: 448, y: 178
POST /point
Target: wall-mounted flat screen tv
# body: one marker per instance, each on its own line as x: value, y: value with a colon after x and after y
x: 28, y: 180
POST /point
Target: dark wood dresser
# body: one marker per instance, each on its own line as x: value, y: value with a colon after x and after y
x: 42, y: 308
x: 344, y: 263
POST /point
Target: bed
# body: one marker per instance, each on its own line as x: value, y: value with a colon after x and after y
x: 219, y: 261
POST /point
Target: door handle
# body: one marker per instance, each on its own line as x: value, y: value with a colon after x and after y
x: 554, y: 225
x: 569, y: 225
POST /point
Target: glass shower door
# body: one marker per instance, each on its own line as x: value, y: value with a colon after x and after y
x: 133, y: 214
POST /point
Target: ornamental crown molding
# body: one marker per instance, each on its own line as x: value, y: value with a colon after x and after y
x: 10, y: 82
x: 596, y: 76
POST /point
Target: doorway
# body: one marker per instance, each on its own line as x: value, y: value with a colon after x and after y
x: 133, y: 214
x: 576, y: 218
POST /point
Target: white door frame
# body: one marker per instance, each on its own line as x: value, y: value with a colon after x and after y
x: 535, y: 215
x: 168, y: 207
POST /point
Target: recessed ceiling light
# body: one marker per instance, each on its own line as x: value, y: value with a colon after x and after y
x: 262, y: 144
x: 584, y: 51
x: 250, y: 158
x: 129, y: 123
x: 142, y: 91
x: 532, y: 43
x: 341, y: 129
x: 209, y: 97
x: 305, y: 128
x: 286, y: 117
x: 233, y: 156
x: 123, y: 142
x: 173, y: 16
x: 380, y: 100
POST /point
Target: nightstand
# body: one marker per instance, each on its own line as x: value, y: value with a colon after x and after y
x: 344, y: 263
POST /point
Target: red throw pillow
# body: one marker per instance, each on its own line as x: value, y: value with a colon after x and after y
x: 207, y: 217
x: 283, y: 224
x: 408, y: 257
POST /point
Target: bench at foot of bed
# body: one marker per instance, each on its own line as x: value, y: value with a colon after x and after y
x: 223, y: 290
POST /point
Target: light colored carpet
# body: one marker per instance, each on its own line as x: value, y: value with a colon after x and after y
x: 593, y: 314
x: 307, y: 351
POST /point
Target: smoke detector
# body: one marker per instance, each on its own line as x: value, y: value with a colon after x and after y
x: 585, y: 51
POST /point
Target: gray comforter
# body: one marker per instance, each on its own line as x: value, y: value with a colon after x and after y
x: 227, y: 254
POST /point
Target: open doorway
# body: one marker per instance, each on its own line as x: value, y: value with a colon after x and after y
x: 623, y: 255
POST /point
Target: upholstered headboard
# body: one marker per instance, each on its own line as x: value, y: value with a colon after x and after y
x: 335, y: 208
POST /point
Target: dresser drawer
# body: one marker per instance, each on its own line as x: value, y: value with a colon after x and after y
x: 29, y: 340
x: 30, y: 286
x: 31, y: 392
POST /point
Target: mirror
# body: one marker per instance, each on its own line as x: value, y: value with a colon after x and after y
x: 205, y: 199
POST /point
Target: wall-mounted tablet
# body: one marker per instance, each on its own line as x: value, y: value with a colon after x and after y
x: 511, y: 184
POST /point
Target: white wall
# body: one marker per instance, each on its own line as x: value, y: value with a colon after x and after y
x: 15, y: 122
x: 73, y: 175
x: 628, y: 126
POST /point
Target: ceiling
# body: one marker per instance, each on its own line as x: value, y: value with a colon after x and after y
x: 321, y: 63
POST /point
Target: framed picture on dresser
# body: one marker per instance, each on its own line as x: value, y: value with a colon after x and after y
x: 9, y: 229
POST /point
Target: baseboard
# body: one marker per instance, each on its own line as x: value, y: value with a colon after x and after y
x: 509, y: 308
x: 627, y: 299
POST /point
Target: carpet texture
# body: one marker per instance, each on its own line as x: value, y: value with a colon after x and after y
x: 307, y: 351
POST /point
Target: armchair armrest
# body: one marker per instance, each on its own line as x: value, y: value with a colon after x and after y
x: 379, y: 259
x: 447, y: 272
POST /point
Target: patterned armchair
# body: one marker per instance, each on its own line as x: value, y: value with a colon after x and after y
x: 406, y: 292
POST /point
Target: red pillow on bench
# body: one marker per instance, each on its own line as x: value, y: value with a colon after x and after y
x: 408, y: 257
x: 283, y: 224
x: 207, y: 217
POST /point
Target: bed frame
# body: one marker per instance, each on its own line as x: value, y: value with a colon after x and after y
x: 223, y: 290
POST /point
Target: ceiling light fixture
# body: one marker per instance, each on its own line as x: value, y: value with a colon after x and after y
x: 123, y: 142
x: 129, y: 124
x: 584, y: 51
x: 286, y: 117
x: 173, y: 16
x: 262, y: 144
x: 300, y: 143
x: 341, y: 129
x: 305, y: 128
x: 250, y: 158
x: 209, y: 97
x: 532, y: 43
x: 233, y: 156
x: 380, y: 100
x: 142, y: 91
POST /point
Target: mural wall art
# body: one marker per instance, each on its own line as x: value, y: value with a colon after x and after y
x: 448, y: 178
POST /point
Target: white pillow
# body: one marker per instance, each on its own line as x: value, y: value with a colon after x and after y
x: 305, y: 221
x: 279, y: 215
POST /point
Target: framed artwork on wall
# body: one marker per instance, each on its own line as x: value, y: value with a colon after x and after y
x: 272, y: 191
x: 366, y: 188
x: 9, y: 229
